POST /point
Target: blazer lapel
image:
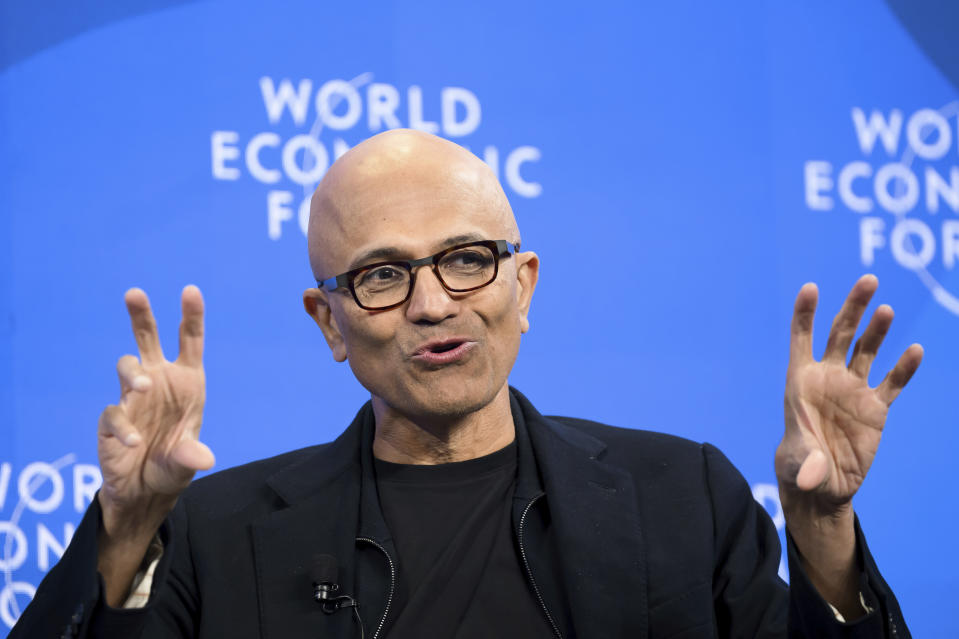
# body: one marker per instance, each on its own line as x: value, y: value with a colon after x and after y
x: 593, y: 506
x: 318, y: 514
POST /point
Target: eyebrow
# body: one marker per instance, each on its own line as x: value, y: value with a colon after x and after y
x: 391, y: 252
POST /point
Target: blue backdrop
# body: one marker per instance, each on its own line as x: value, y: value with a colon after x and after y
x: 681, y: 168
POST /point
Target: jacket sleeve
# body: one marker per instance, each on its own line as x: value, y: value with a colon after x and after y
x: 750, y: 598
x: 63, y: 602
x: 810, y: 615
x: 70, y: 602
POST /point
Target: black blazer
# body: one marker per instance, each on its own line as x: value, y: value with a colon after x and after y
x: 627, y: 534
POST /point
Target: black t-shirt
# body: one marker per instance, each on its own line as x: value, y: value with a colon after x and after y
x: 459, y: 571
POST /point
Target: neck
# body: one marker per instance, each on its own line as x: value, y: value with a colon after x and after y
x: 403, y: 439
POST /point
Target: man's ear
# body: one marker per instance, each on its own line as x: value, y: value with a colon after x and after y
x: 317, y: 306
x: 527, y: 274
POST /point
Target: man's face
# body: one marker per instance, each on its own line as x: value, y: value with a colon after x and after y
x: 407, y: 212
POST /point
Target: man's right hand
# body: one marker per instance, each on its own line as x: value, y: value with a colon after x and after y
x: 147, y: 443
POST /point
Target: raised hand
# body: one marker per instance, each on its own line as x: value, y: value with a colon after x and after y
x: 834, y: 421
x: 147, y: 443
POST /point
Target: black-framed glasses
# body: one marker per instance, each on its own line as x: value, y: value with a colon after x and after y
x: 460, y: 269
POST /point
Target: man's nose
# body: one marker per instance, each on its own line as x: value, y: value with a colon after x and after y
x: 429, y: 301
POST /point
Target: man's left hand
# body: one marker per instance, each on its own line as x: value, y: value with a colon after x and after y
x: 834, y: 422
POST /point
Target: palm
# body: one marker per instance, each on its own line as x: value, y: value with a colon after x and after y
x: 834, y: 419
x: 165, y: 412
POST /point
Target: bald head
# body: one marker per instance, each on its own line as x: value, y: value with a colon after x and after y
x: 399, y: 187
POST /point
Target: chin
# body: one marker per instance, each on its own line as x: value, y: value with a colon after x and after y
x: 443, y: 400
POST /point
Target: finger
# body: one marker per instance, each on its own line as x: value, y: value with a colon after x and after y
x: 131, y: 374
x: 864, y: 352
x: 115, y: 423
x: 900, y: 375
x: 804, y: 311
x: 144, y: 326
x: 191, y: 327
x: 847, y: 320
x: 193, y: 454
x: 813, y: 471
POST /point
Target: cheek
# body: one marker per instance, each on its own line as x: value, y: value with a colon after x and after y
x: 365, y: 336
x: 372, y: 353
x: 506, y: 309
x: 372, y: 333
x: 503, y: 324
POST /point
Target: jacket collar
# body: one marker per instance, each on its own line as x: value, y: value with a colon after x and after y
x: 329, y: 497
x: 596, y: 526
x: 318, y: 500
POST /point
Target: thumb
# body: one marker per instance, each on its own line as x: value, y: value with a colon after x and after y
x: 813, y: 471
x: 194, y: 455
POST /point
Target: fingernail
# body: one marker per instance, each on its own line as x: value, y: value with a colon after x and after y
x: 141, y: 382
x: 133, y: 439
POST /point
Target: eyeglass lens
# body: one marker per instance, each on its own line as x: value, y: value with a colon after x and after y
x: 463, y: 269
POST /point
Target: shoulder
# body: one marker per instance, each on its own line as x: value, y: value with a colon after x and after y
x: 236, y: 486
x: 648, y: 453
x: 622, y: 441
x: 258, y: 470
x: 666, y: 465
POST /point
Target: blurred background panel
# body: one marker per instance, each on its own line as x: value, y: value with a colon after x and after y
x: 681, y: 169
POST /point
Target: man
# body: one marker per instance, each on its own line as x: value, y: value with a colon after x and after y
x: 451, y: 507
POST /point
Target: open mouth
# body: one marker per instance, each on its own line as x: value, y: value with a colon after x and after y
x: 442, y: 348
x: 445, y: 352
